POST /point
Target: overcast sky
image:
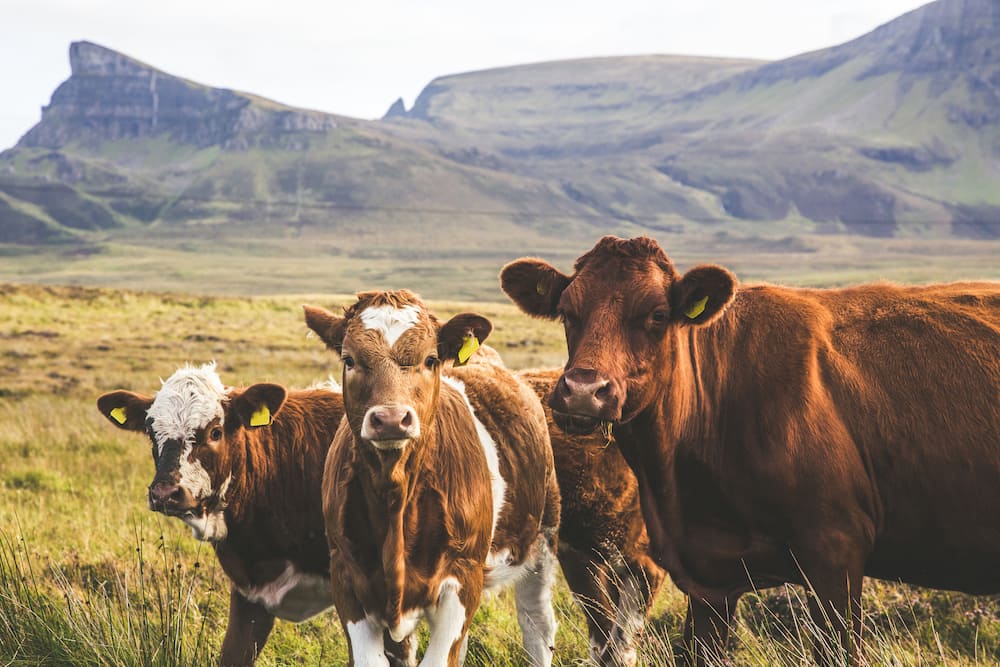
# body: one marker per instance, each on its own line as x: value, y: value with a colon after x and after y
x: 355, y: 58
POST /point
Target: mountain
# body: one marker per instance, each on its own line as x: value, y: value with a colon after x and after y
x: 123, y: 146
x: 894, y: 134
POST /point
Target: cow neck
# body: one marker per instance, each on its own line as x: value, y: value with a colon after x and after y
x: 677, y: 419
x: 390, y: 485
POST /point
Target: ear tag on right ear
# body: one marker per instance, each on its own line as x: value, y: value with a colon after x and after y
x: 118, y: 414
x: 697, y: 308
x: 261, y: 416
x: 469, y: 346
x: 540, y: 288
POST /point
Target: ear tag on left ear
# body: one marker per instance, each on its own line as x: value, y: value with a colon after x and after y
x: 261, y: 416
x: 469, y: 346
x: 697, y: 308
x: 540, y: 288
x: 118, y: 414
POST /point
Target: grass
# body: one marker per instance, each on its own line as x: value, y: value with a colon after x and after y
x: 89, y: 576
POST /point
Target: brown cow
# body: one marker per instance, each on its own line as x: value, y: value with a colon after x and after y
x: 246, y: 484
x: 436, y: 486
x: 603, y: 547
x: 792, y: 435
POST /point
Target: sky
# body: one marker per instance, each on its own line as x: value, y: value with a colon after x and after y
x: 356, y: 58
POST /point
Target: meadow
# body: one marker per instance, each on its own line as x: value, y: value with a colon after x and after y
x: 89, y: 576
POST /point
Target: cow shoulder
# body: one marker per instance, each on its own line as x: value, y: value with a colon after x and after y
x: 508, y: 408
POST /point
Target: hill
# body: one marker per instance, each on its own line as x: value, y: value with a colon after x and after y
x: 784, y: 170
x: 894, y: 133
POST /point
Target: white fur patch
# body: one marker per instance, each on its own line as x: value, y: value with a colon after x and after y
x: 209, y: 527
x: 189, y: 400
x: 293, y: 596
x: 500, y: 573
x: 499, y: 486
x: 446, y: 618
x: 392, y: 322
x: 407, y: 624
x: 366, y: 643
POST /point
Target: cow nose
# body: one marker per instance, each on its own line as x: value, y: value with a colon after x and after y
x: 584, y: 391
x: 390, y: 422
x: 164, y: 495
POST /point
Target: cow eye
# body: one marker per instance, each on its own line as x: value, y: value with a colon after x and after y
x: 216, y: 434
x: 348, y: 362
x: 431, y: 362
x: 659, y: 317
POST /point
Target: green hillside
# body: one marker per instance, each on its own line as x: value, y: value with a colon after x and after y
x: 785, y: 170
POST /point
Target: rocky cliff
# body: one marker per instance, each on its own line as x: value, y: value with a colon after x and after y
x: 111, y: 97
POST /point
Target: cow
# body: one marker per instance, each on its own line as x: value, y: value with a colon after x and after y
x: 242, y: 467
x: 786, y: 435
x: 438, y: 486
x: 603, y: 546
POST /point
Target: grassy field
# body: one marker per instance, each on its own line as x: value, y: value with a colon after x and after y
x: 88, y: 576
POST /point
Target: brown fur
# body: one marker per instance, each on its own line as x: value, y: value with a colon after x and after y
x: 401, y: 521
x: 273, y: 512
x: 792, y: 433
x: 603, y: 546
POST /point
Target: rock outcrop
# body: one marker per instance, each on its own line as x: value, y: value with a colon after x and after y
x: 111, y: 97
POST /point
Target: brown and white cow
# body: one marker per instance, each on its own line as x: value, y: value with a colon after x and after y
x: 437, y: 486
x: 603, y: 546
x: 787, y: 434
x: 243, y: 469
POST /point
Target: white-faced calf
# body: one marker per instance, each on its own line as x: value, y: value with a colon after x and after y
x: 436, y: 486
x: 242, y: 467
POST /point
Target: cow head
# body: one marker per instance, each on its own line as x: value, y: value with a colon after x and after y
x: 194, y: 423
x: 392, y: 349
x: 622, y: 309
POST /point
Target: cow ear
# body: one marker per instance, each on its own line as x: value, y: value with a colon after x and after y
x: 256, y: 405
x: 534, y: 285
x: 329, y: 327
x: 702, y: 294
x: 461, y: 336
x: 125, y: 409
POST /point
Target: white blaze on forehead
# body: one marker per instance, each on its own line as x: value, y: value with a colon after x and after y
x: 392, y: 322
x: 188, y: 400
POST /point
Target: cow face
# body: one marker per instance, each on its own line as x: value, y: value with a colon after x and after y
x: 392, y: 349
x: 195, y: 425
x: 622, y: 310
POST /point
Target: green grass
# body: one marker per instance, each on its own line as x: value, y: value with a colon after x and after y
x: 89, y: 576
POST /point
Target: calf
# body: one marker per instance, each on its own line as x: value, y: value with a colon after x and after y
x: 243, y: 468
x: 603, y: 546
x: 786, y: 435
x: 437, y: 486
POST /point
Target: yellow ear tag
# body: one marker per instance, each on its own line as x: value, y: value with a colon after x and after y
x: 540, y: 288
x: 261, y: 416
x: 697, y: 308
x: 469, y: 346
x: 118, y: 414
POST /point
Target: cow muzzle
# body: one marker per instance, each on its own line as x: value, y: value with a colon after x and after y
x: 390, y: 426
x: 171, y: 499
x: 582, y: 399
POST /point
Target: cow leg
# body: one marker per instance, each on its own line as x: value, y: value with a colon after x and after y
x: 835, y: 609
x: 449, y: 622
x: 533, y: 596
x: 402, y: 653
x: 706, y: 628
x: 364, y: 639
x: 635, y: 592
x: 588, y: 580
x: 247, y: 632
